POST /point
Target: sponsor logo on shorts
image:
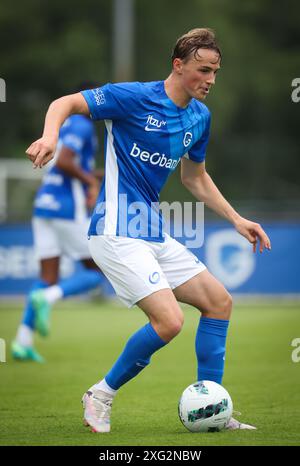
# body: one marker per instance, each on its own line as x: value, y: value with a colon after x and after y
x: 154, y: 278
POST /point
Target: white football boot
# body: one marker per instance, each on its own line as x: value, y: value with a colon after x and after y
x: 97, y: 409
x: 233, y: 424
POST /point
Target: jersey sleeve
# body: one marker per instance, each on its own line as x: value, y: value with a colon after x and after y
x: 112, y: 101
x: 197, y: 152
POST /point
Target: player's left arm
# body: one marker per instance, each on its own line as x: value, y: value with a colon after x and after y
x: 196, y: 179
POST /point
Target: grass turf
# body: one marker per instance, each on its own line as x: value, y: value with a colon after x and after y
x: 40, y: 403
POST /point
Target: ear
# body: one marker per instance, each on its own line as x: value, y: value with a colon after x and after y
x: 177, y: 65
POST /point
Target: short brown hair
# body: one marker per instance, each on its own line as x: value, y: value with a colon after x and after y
x: 189, y: 43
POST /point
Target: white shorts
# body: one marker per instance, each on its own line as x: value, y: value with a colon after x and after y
x: 137, y: 268
x: 54, y: 237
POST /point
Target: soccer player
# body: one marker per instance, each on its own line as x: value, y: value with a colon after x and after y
x: 150, y: 128
x: 60, y: 224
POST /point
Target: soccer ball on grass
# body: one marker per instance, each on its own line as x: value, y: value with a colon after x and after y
x: 205, y: 406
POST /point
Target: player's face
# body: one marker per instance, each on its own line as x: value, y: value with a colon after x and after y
x: 197, y: 75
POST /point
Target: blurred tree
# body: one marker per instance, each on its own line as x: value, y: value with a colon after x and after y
x: 47, y: 47
x: 254, y: 139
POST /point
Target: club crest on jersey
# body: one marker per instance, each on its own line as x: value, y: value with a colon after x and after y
x: 153, y: 124
x: 187, y: 139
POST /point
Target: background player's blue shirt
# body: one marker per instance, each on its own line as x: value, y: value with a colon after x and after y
x: 60, y: 195
x: 146, y: 136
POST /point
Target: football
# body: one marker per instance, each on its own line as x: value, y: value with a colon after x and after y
x: 205, y: 406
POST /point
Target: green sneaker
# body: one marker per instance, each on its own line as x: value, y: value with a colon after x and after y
x: 24, y: 353
x: 42, y: 312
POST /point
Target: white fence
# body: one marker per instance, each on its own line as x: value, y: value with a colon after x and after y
x: 12, y: 171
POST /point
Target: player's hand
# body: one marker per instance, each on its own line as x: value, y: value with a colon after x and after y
x: 254, y: 234
x: 40, y: 152
x: 92, y: 193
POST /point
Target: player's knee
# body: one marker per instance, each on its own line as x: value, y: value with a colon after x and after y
x: 220, y: 308
x: 173, y: 326
x: 226, y: 306
x: 170, y: 326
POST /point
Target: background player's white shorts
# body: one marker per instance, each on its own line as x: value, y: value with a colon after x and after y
x: 137, y: 268
x: 54, y: 237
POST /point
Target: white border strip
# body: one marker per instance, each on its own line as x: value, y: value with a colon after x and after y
x: 111, y: 183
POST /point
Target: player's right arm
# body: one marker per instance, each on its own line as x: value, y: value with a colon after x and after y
x: 42, y: 151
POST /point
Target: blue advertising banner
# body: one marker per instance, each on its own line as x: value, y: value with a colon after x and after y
x: 227, y: 255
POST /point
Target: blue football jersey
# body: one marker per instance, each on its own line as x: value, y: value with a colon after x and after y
x: 60, y: 195
x: 146, y: 136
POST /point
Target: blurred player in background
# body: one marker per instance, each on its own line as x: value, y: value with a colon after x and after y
x: 60, y: 224
x: 150, y: 128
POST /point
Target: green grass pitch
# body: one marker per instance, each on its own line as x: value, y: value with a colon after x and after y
x: 40, y: 403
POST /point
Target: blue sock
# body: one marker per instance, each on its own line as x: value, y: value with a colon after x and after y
x: 28, y: 313
x: 80, y: 282
x: 136, y: 355
x: 210, y: 348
